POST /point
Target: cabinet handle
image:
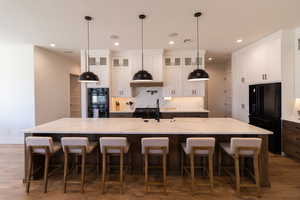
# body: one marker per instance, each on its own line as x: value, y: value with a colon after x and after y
x: 263, y: 77
x: 266, y: 77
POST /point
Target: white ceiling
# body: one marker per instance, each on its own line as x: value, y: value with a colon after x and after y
x: 42, y: 22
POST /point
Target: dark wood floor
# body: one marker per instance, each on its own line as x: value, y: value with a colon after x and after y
x: 284, y: 175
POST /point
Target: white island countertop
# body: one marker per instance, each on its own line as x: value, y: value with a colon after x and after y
x: 177, y: 126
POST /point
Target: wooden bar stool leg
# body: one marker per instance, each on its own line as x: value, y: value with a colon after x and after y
x: 182, y: 163
x: 46, y: 172
x: 237, y: 173
x: 65, y: 171
x: 29, y: 170
x: 82, y: 172
x: 146, y: 173
x: 121, y: 171
x: 219, y: 161
x: 165, y: 171
x: 192, y: 170
x: 256, y: 174
x: 210, y: 166
x: 103, y: 171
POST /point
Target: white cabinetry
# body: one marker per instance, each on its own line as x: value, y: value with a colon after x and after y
x: 153, y: 62
x: 261, y: 62
x: 177, y: 67
x: 191, y: 88
x: 100, y: 65
x: 258, y: 63
x: 172, y: 77
x: 120, y: 76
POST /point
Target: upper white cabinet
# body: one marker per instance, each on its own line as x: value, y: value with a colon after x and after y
x: 172, y: 77
x: 191, y: 88
x: 258, y: 63
x: 121, y: 76
x: 177, y: 67
x: 153, y: 62
x: 100, y: 65
x: 261, y: 62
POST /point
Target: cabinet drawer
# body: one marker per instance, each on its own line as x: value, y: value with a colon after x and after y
x: 292, y: 150
x: 290, y: 135
x: 292, y: 126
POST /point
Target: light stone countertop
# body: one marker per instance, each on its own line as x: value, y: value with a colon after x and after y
x: 177, y: 126
x: 293, y: 119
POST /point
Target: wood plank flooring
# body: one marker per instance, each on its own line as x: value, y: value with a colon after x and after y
x: 284, y: 175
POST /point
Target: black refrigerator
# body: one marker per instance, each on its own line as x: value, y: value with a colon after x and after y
x: 98, y: 102
x: 265, y: 111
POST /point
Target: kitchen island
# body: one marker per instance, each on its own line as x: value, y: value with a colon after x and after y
x: 177, y: 130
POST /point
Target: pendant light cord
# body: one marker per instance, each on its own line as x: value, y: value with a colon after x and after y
x: 198, y: 58
x: 142, y: 45
x: 88, y: 53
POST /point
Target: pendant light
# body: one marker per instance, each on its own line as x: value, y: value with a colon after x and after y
x: 142, y: 75
x: 88, y: 77
x: 198, y: 74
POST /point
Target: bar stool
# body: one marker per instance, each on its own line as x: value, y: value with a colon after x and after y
x: 113, y: 146
x: 202, y: 147
x: 79, y: 146
x: 241, y: 148
x: 155, y: 146
x: 43, y: 146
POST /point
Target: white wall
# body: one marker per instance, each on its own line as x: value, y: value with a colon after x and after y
x: 52, y: 84
x: 17, y: 92
x: 216, y: 89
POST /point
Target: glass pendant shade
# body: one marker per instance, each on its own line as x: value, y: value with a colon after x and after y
x: 142, y: 75
x: 88, y: 77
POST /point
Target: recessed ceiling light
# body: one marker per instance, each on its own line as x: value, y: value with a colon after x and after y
x: 171, y: 42
x: 210, y: 58
x: 239, y: 40
x: 116, y: 43
x: 52, y: 45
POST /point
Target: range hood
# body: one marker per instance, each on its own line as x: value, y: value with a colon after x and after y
x: 135, y: 84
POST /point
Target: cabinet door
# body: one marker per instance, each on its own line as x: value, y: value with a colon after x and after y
x: 273, y: 58
x: 172, y: 81
x: 103, y: 74
x: 190, y: 88
x: 255, y: 64
x: 121, y: 77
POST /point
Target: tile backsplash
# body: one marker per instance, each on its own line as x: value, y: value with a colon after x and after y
x: 146, y: 97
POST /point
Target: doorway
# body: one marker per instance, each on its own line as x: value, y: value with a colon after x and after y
x: 75, y: 97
